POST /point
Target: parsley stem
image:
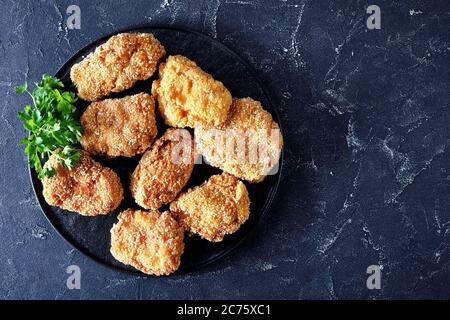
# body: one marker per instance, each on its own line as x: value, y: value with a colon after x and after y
x: 34, y: 101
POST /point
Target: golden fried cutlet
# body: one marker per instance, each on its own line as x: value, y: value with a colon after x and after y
x: 186, y: 94
x: 217, y: 207
x: 119, y: 127
x: 250, y: 144
x: 164, y: 169
x: 152, y: 242
x: 88, y: 188
x: 116, y: 65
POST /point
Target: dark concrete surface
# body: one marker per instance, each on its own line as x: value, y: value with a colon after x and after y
x: 367, y: 129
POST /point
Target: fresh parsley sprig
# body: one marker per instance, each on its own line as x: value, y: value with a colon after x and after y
x: 52, y: 125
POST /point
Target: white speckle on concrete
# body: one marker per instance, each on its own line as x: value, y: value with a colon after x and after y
x: 39, y: 232
x: 413, y: 12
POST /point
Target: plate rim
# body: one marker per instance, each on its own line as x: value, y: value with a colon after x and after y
x: 272, y: 193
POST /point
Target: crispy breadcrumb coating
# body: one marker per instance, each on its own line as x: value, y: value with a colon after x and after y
x: 164, y: 169
x: 116, y: 65
x: 88, y: 188
x: 249, y: 125
x: 186, y: 94
x: 119, y: 127
x: 152, y: 242
x: 217, y: 207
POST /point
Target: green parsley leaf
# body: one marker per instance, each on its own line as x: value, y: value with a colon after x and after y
x: 53, y: 128
x: 21, y: 89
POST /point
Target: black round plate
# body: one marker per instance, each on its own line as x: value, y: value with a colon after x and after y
x: 91, y: 235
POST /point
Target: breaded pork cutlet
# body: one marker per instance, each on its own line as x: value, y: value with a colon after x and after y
x: 217, y: 207
x: 119, y: 127
x: 251, y: 143
x: 164, y: 169
x: 116, y: 65
x: 152, y: 242
x: 186, y: 94
x: 88, y: 188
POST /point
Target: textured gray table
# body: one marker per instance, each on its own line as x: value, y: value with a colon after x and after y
x: 366, y: 119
